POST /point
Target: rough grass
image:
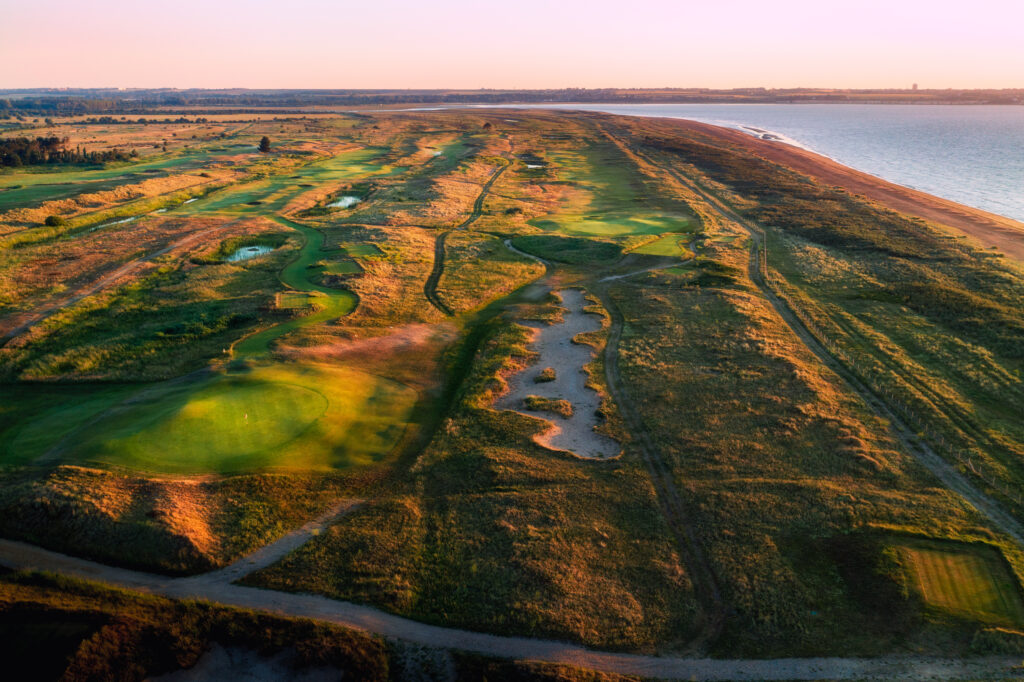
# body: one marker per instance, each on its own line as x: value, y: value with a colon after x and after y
x: 537, y: 403
x: 480, y: 268
x: 922, y: 317
x: 55, y: 628
x: 166, y: 322
x: 771, y: 453
x: 166, y: 525
x: 490, y: 519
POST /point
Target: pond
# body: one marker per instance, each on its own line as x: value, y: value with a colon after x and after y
x: 247, y: 252
x: 344, y: 202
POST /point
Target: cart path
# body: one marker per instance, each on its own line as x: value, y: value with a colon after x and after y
x: 18, y: 555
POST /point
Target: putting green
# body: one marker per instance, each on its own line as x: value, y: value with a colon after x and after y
x: 294, y: 417
x: 362, y: 250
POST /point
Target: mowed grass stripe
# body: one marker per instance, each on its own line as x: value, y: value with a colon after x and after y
x: 970, y: 582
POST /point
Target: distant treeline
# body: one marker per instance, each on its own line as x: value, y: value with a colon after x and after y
x: 45, y: 102
x: 127, y: 121
x: 28, y: 151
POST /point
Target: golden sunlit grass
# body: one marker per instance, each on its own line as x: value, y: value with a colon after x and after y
x: 479, y: 268
x: 786, y: 479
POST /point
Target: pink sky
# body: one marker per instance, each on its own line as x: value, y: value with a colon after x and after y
x: 511, y: 44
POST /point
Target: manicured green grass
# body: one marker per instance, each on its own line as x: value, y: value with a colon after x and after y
x: 291, y: 417
x: 35, y: 417
x: 613, y: 224
x: 363, y: 250
x: 962, y: 580
x: 668, y: 245
x: 343, y: 267
x: 39, y: 185
x: 275, y: 192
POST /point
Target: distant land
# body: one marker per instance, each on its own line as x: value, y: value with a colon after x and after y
x: 39, y: 101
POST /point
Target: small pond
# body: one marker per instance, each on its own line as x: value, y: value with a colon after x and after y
x: 247, y: 252
x: 344, y: 202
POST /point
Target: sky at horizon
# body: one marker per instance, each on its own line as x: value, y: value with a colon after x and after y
x: 523, y: 44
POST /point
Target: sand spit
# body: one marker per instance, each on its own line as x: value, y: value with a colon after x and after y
x: 555, y: 348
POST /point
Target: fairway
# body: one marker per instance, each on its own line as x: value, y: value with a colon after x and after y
x: 965, y: 581
x: 331, y: 304
x: 272, y: 194
x: 281, y: 417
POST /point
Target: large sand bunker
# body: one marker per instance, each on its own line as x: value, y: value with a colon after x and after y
x: 555, y: 349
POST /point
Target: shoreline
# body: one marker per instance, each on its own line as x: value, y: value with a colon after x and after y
x: 987, y: 229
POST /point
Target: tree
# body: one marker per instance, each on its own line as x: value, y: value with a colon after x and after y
x: 54, y: 221
x: 265, y: 144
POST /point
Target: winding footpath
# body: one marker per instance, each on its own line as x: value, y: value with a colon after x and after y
x: 430, y: 286
x: 217, y: 588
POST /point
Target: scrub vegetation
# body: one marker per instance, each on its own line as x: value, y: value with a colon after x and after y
x: 166, y: 408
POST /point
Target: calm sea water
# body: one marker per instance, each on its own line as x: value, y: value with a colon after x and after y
x: 970, y: 154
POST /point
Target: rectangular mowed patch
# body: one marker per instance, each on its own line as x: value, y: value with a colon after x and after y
x: 363, y: 250
x: 669, y: 245
x: 291, y: 300
x: 344, y: 267
x: 971, y: 581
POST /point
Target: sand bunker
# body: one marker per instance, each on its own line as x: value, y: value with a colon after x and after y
x: 344, y: 202
x: 554, y: 346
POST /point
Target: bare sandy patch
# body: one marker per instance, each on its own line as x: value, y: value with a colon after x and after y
x: 556, y: 349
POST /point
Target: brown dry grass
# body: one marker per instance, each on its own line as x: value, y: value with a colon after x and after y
x: 19, y: 218
x: 33, y: 275
x: 166, y: 524
x: 390, y: 289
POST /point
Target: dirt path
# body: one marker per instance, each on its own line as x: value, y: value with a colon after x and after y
x: 20, y: 556
x: 106, y: 281
x: 919, y: 449
x: 698, y: 567
x: 555, y: 348
x: 430, y: 286
x: 277, y: 550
